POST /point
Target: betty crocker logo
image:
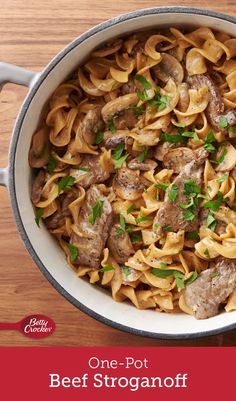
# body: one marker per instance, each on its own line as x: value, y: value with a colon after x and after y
x: 33, y: 326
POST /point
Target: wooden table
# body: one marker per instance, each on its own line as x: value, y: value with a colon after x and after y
x: 32, y: 32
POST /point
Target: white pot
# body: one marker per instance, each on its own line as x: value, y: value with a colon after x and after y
x: 17, y: 177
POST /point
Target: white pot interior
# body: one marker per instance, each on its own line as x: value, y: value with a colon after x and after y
x: 46, y: 248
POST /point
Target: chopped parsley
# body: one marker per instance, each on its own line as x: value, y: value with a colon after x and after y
x: 192, y: 278
x: 140, y: 78
x: 38, y: 215
x: 223, y: 122
x: 211, y: 221
x: 188, y: 215
x: 167, y: 229
x: 208, y: 142
x: 138, y: 110
x: 173, y: 192
x: 179, y: 278
x: 214, y: 274
x: 160, y: 102
x: 135, y: 237
x: 192, y: 235
x: 131, y: 208
x: 126, y: 270
x: 111, y: 126
x: 191, y: 134
x: 143, y: 218
x: 214, y: 205
x: 220, y: 158
x: 51, y: 164
x: 191, y: 188
x: 162, y: 185
x: 233, y: 129
x: 123, y: 229
x: 143, y: 155
x: 99, y: 137
x: 155, y: 226
x: 96, y: 211
x: 206, y: 253
x: 73, y: 252
x: 172, y: 138
x: 222, y: 178
x: 118, y: 151
x: 119, y: 163
x: 163, y: 273
x: 106, y: 268
x: 85, y: 169
x: 65, y: 182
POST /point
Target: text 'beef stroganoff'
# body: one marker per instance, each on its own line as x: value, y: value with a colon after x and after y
x: 135, y: 170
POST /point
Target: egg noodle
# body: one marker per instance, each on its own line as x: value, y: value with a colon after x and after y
x: 138, y: 91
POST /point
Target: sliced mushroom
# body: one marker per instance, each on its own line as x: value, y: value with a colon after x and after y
x: 161, y: 149
x: 169, y: 67
x: 146, y: 165
x: 37, y: 186
x: 39, y: 150
x: 176, y: 159
x: 91, y: 124
x: 228, y: 153
x: 127, y: 184
x: 115, y: 106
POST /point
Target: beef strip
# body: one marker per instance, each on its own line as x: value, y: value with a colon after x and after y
x: 37, y: 186
x: 170, y: 213
x: 119, y: 244
x: 93, y: 236
x: 215, y: 109
x: 127, y: 184
x: 58, y: 218
x: 211, y: 288
x: 95, y: 173
x: 91, y: 124
x: 146, y: 165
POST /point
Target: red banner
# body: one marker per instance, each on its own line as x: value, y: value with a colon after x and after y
x: 127, y: 374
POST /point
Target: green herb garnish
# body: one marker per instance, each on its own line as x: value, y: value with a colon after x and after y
x: 85, y: 169
x: 99, y: 137
x: 106, y: 268
x: 38, y: 215
x: 206, y: 253
x: 119, y: 163
x: 215, y: 204
x: 143, y: 155
x: 126, y: 270
x: 223, y: 122
x: 65, y: 182
x: 220, y: 158
x: 140, y: 78
x: 179, y: 278
x: 191, y: 188
x: 191, y: 134
x: 222, y: 178
x: 135, y: 237
x: 51, y: 164
x: 162, y: 185
x: 155, y: 226
x: 73, y: 252
x: 118, y: 151
x: 188, y: 215
x: 208, y: 142
x: 111, y: 126
x: 96, y: 211
x: 214, y: 274
x: 173, y: 192
x: 131, y: 208
x: 211, y: 221
x: 167, y: 229
x: 192, y: 235
x: 192, y: 278
x: 172, y: 138
x: 143, y: 218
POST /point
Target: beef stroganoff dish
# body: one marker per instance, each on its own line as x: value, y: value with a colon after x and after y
x: 134, y: 166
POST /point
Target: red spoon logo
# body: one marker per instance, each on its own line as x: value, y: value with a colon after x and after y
x: 33, y: 326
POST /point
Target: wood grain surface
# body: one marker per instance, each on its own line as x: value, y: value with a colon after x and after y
x: 31, y: 33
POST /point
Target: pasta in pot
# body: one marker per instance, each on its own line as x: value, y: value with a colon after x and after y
x: 135, y: 170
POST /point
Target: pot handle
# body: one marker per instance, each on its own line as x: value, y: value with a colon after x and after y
x: 17, y: 75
